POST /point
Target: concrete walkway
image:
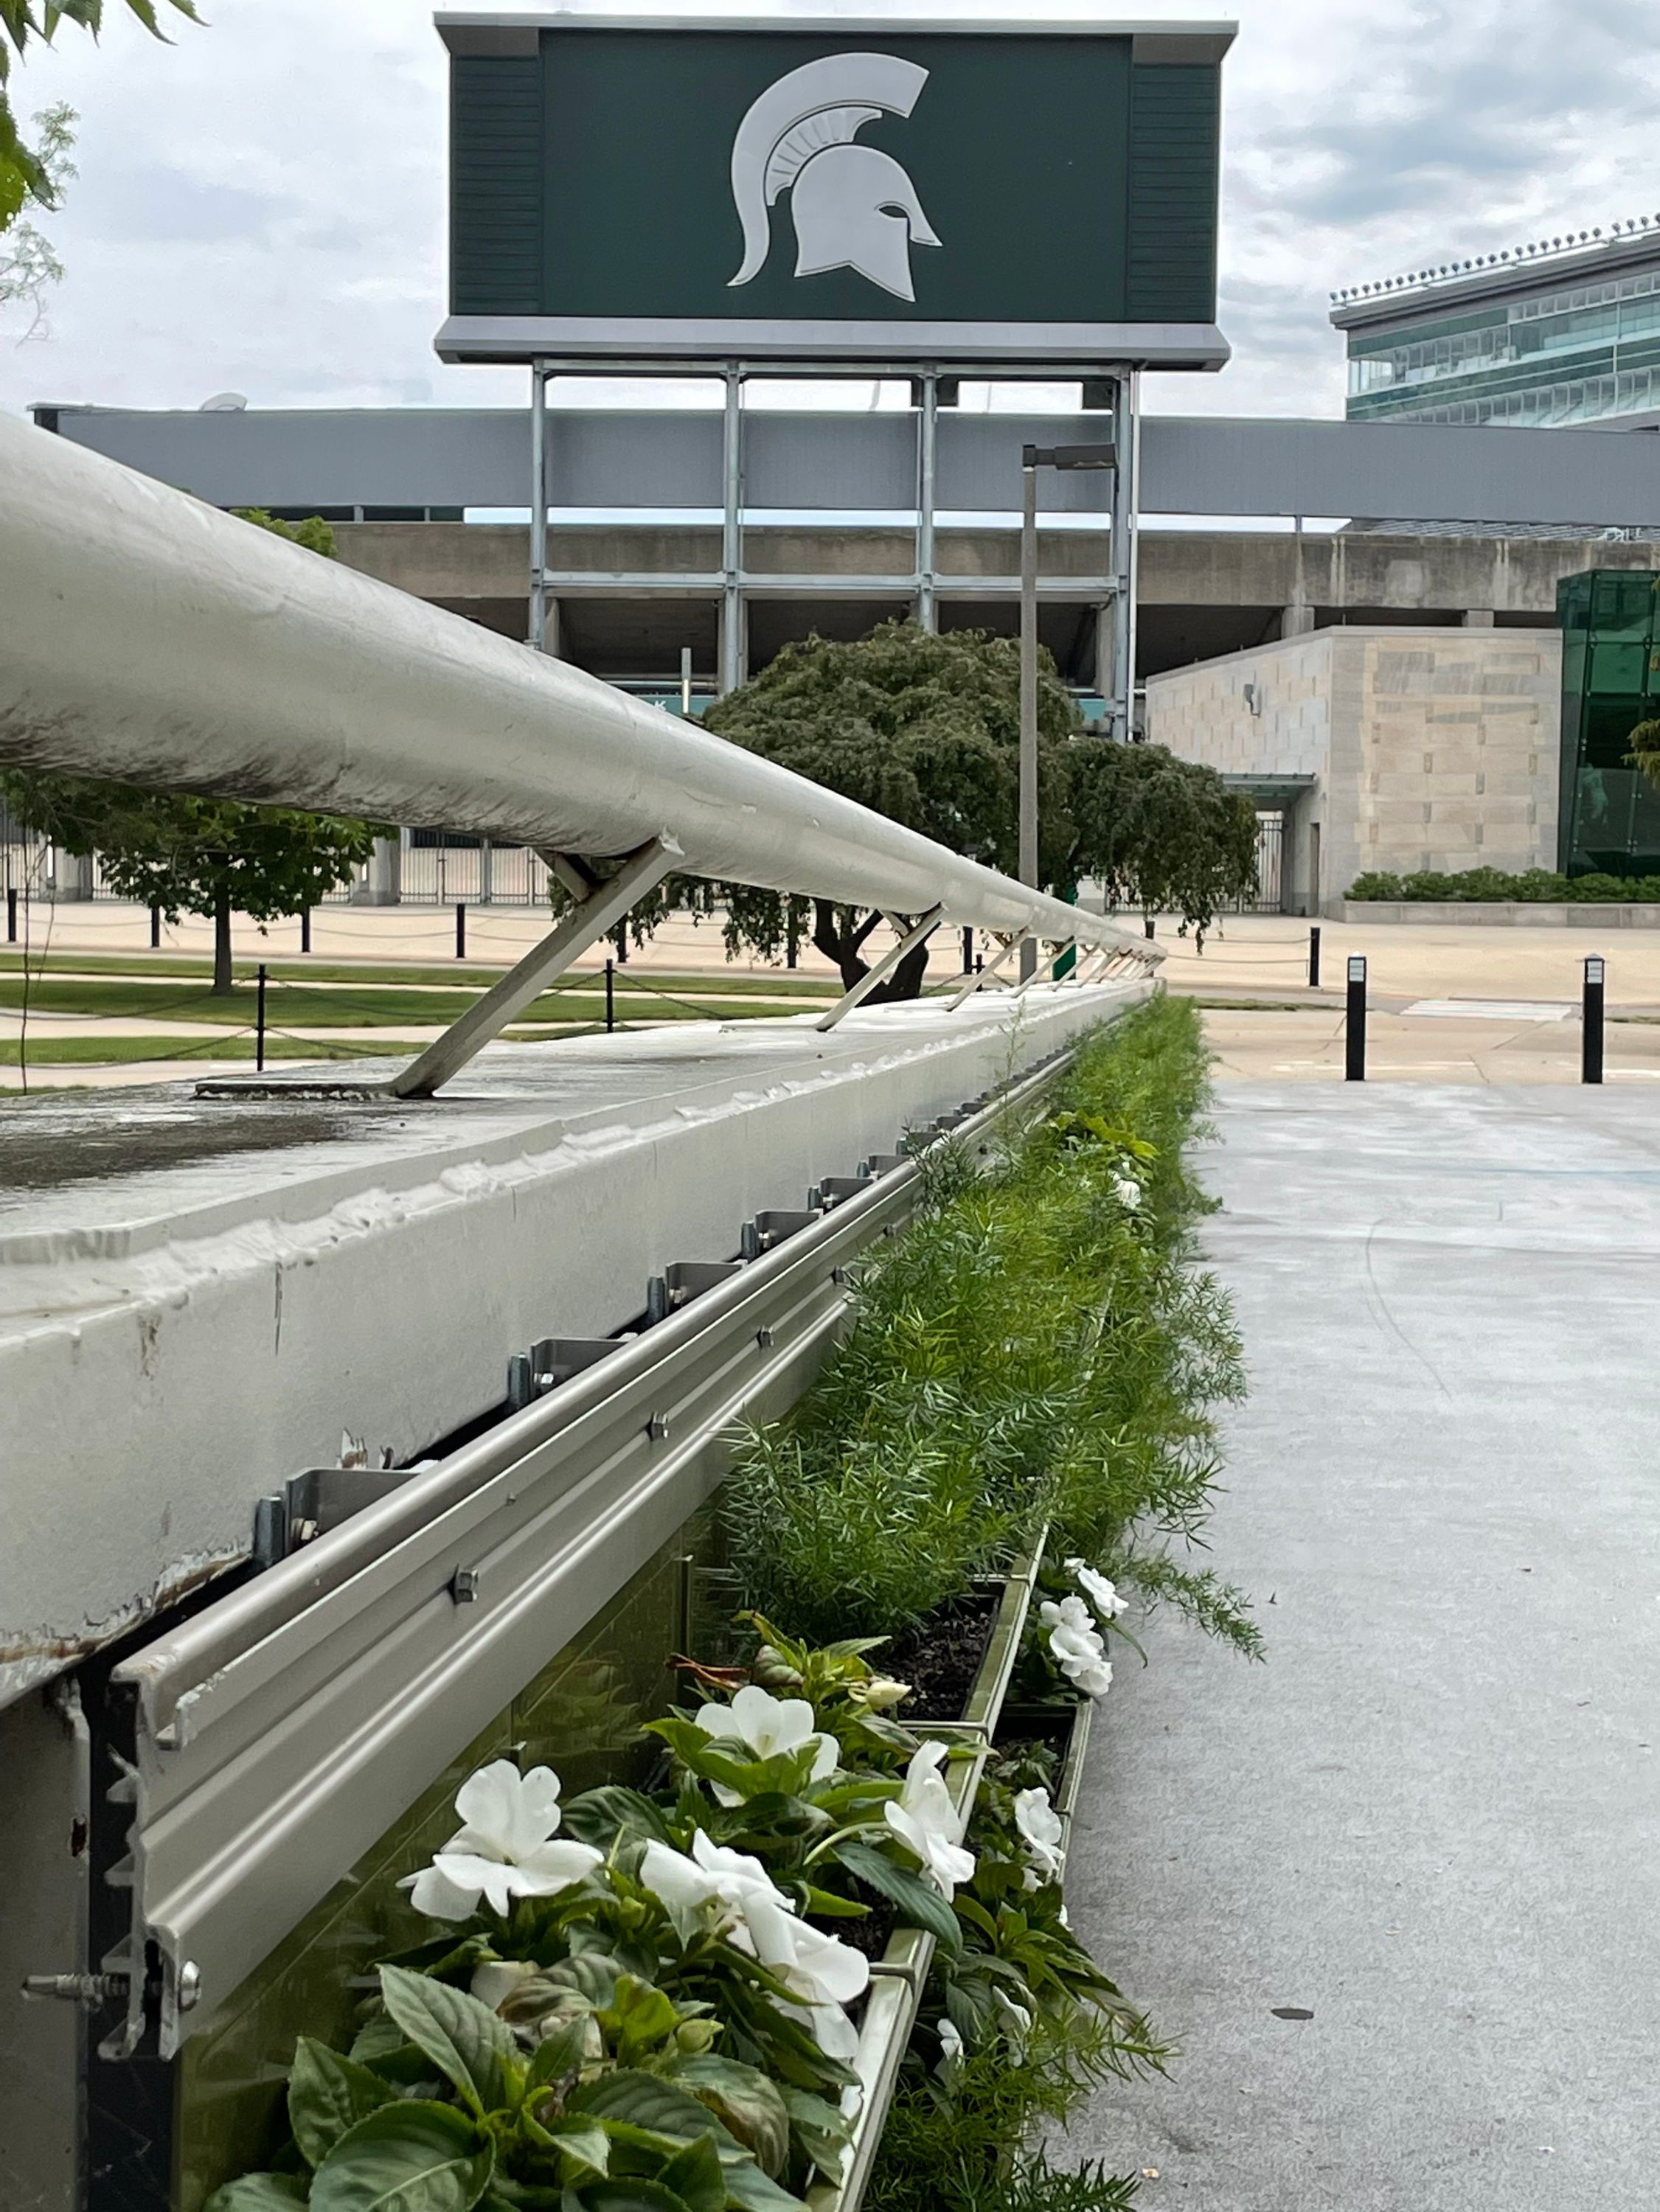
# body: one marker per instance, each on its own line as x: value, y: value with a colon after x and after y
x: 1433, y: 1819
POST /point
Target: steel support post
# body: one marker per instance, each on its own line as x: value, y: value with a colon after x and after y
x: 992, y: 968
x: 927, y: 455
x: 732, y: 533
x: 1126, y: 488
x: 1028, y: 702
x: 583, y: 924
x: 538, y: 507
x: 917, y: 934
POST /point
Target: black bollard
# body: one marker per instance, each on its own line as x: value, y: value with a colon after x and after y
x: 11, y: 917
x: 259, y: 1020
x: 305, y: 929
x: 968, y: 953
x: 1354, y: 1026
x: 1591, y: 1042
x: 1314, y: 960
x: 611, y: 996
x: 460, y: 930
x: 155, y: 927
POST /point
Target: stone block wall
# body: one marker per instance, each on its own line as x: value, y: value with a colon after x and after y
x: 1430, y: 748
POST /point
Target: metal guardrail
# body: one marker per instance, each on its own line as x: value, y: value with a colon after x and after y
x: 151, y: 638
x: 268, y: 1742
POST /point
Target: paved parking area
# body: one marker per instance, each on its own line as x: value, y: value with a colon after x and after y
x: 1431, y: 1821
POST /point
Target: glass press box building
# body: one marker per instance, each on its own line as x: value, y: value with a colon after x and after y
x: 1609, y: 819
x: 1564, y: 331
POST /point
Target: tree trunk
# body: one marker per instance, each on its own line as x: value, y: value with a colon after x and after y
x: 843, y: 947
x: 222, y: 978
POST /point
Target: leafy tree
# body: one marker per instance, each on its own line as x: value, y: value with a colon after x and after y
x: 206, y: 856
x: 922, y: 728
x: 1160, y: 833
x: 926, y: 729
x: 28, y: 266
x: 25, y: 171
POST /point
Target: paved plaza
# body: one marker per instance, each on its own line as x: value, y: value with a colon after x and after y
x: 1395, y: 1894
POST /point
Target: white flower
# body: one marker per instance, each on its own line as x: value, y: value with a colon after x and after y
x: 1041, y: 1831
x: 1076, y: 1647
x: 757, y: 1917
x: 767, y: 1726
x: 1102, y: 1594
x: 951, y: 2048
x: 1016, y: 2020
x: 504, y: 1849
x: 494, y: 1980
x: 880, y: 1694
x: 1127, y: 1191
x: 926, y: 1821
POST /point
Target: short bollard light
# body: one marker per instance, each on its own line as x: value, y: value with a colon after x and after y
x: 1314, y: 959
x: 1355, y: 1026
x: 1590, y: 1041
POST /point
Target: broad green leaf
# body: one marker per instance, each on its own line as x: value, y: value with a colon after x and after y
x: 644, y: 2100
x: 626, y: 2196
x: 638, y: 2016
x: 558, y: 2056
x: 920, y: 1904
x: 598, y: 1816
x: 695, y: 2174
x: 463, y: 2038
x: 756, y: 2191
x: 580, y: 2138
x: 327, y: 2094
x: 745, y: 2101
x: 591, y: 1974
x: 407, y: 2157
x: 822, y: 2129
x: 259, y: 2193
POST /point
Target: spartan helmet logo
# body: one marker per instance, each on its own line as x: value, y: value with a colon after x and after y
x: 855, y: 207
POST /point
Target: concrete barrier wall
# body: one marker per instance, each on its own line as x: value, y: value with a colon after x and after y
x: 1501, y: 914
x: 196, y: 1299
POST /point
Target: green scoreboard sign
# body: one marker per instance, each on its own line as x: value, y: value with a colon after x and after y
x: 1021, y: 193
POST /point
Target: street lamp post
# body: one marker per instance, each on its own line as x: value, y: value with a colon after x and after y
x: 1033, y: 458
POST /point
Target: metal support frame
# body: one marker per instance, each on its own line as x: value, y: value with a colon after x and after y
x: 927, y: 472
x: 1126, y: 492
x: 917, y: 934
x: 988, y: 973
x: 538, y: 507
x: 598, y: 908
x: 732, y: 641
x: 1028, y: 862
x: 1037, y: 975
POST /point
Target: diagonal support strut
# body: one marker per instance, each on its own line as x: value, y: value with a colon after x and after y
x: 994, y: 968
x: 918, y: 933
x: 597, y: 911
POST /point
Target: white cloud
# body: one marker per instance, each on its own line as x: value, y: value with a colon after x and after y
x: 261, y: 204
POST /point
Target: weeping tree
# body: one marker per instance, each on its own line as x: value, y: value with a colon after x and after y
x: 925, y: 728
x: 214, y: 857
x: 1159, y: 833
x: 922, y: 728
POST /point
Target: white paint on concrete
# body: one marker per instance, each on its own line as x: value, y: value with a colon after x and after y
x: 198, y: 1297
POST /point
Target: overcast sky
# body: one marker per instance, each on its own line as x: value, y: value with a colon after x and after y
x: 259, y: 206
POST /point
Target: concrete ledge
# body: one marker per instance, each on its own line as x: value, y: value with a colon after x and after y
x: 199, y: 1296
x: 1503, y: 914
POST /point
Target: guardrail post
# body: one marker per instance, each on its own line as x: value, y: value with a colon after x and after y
x: 1591, y: 1042
x: 460, y: 929
x: 1314, y: 960
x: 1354, y: 1024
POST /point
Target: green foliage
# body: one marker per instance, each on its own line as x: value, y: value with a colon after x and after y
x: 26, y: 172
x: 952, y: 1425
x: 29, y: 266
x: 313, y: 533
x: 1160, y: 833
x: 1532, y: 887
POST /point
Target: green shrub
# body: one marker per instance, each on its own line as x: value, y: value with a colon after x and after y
x: 1532, y: 887
x: 1038, y: 1347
